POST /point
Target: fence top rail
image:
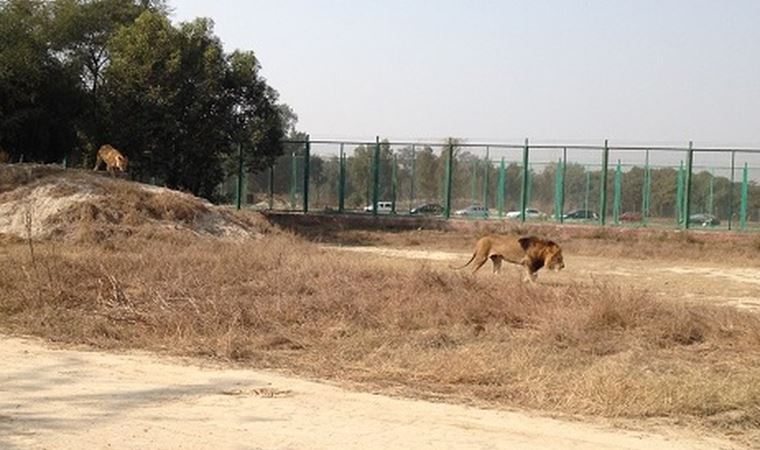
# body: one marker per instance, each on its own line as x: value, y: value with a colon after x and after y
x: 532, y: 146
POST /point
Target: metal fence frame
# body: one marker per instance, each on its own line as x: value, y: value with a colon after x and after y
x: 684, y: 180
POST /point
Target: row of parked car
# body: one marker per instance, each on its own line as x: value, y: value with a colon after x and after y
x: 478, y: 211
x: 530, y: 214
x: 435, y: 209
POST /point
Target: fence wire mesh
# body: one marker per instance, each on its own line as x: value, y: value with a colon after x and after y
x: 637, y: 186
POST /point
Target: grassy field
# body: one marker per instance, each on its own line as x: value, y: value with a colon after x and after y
x: 404, y: 326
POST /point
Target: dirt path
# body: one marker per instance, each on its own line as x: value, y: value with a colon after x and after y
x: 687, y: 280
x: 64, y: 399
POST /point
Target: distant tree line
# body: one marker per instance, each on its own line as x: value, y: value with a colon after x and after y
x: 76, y: 74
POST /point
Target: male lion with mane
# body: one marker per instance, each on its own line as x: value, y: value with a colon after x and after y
x: 113, y: 159
x: 530, y: 252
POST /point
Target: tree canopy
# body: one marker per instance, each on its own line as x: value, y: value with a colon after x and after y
x: 76, y: 74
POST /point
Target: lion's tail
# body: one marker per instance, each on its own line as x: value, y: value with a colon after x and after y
x: 467, y: 263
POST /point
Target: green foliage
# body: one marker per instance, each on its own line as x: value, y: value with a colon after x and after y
x: 38, y: 95
x: 75, y: 74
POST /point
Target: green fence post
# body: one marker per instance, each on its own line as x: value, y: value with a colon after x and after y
x: 414, y: 174
x: 731, y: 192
x: 524, y: 191
x: 588, y: 189
x: 485, y: 179
x: 271, y: 186
x: 376, y: 176
x: 745, y: 192
x: 679, y: 194
x: 293, y: 180
x: 645, y: 191
x: 65, y: 160
x: 393, y: 185
x: 306, y: 164
x: 603, y: 185
x: 449, y: 174
x: 239, y: 186
x: 562, y: 186
x: 557, y: 175
x: 342, y: 180
x: 617, y: 194
x: 687, y: 185
x: 502, y: 185
x: 710, y: 193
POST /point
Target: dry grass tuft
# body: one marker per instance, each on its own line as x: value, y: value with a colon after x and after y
x: 282, y: 302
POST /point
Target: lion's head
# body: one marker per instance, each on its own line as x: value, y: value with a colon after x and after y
x: 543, y: 253
x: 553, y: 257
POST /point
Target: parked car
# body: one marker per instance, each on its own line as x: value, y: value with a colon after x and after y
x: 472, y: 211
x: 428, y: 209
x: 530, y: 213
x: 704, y: 219
x: 382, y: 208
x: 630, y: 217
x: 581, y: 214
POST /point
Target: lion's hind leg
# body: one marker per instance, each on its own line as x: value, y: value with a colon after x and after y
x: 496, y: 260
x: 479, y: 261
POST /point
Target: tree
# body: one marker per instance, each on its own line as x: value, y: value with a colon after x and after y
x: 428, y: 167
x: 75, y: 74
x: 180, y: 107
x: 39, y: 100
x: 260, y: 123
x: 80, y: 32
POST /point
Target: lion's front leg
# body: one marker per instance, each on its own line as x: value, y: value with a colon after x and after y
x: 529, y: 277
x: 528, y: 274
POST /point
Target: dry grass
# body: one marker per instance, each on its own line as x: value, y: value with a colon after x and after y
x: 281, y: 302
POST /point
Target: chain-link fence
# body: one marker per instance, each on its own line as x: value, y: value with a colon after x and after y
x: 686, y: 187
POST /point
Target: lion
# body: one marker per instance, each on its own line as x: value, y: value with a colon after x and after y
x: 113, y: 159
x: 530, y: 252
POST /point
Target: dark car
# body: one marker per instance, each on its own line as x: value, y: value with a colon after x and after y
x: 704, y: 219
x: 428, y: 209
x: 581, y: 214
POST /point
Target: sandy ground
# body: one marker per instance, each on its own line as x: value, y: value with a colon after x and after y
x: 68, y: 399
x: 683, y: 280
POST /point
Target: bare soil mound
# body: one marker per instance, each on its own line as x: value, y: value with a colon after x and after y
x: 48, y: 202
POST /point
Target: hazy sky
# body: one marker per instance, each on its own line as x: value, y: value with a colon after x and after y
x: 633, y: 71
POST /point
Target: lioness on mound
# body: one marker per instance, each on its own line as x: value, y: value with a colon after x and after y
x: 113, y: 159
x: 530, y: 252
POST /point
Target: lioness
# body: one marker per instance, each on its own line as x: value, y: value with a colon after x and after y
x: 113, y: 159
x: 530, y: 252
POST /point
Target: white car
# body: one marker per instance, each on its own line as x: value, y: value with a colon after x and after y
x: 472, y: 211
x: 530, y: 213
x: 382, y: 208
